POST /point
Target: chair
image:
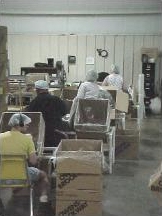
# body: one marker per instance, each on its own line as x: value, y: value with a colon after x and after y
x: 14, y: 174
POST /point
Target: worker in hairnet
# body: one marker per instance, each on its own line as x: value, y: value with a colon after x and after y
x: 114, y: 78
x: 16, y: 141
x: 89, y: 90
x: 53, y: 109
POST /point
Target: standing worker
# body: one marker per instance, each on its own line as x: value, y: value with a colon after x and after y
x: 53, y: 109
x: 114, y: 79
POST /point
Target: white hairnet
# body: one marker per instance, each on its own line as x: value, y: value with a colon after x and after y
x: 91, y: 76
x: 114, y: 69
x: 17, y: 118
x: 41, y: 84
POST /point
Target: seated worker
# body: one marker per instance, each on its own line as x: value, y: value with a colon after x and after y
x: 52, y: 108
x: 89, y: 90
x: 16, y: 141
x: 114, y: 79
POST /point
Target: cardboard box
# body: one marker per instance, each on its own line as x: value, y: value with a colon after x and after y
x: 121, y: 98
x: 3, y: 39
x: 133, y: 111
x: 131, y: 124
x: 79, y: 156
x: 78, y: 208
x: 36, y: 129
x: 92, y: 135
x: 155, y: 183
x: 66, y: 181
x: 3, y: 104
x: 31, y: 78
x: 69, y: 93
x: 112, y: 114
x: 127, y: 144
x: 3, y: 66
x: 89, y: 117
x: 55, y: 91
x: 72, y: 194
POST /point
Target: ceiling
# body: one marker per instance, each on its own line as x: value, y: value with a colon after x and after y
x: 60, y: 7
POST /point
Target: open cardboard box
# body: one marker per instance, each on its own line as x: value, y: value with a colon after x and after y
x: 79, y: 156
x: 92, y: 115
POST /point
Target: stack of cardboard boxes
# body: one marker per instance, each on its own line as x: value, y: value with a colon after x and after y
x: 127, y: 136
x: 79, y: 178
x: 3, y: 68
x: 127, y: 140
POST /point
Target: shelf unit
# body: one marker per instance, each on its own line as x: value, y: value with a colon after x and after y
x: 148, y: 69
x: 3, y: 68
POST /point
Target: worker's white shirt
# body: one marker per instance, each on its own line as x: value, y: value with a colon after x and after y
x: 113, y: 80
x: 88, y: 90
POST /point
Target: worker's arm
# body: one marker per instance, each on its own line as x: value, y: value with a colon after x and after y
x: 31, y: 152
x: 81, y: 91
x: 105, y: 82
x: 33, y: 159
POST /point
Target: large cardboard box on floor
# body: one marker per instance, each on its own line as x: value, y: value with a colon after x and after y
x: 79, y: 156
x: 78, y: 208
x: 127, y: 144
x: 121, y: 98
x: 79, y: 177
x: 66, y: 181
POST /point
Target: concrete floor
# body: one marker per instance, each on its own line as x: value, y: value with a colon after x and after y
x: 126, y: 191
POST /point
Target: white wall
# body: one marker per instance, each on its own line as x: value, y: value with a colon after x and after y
x: 35, y: 38
x: 94, y: 24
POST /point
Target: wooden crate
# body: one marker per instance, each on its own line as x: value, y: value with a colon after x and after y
x: 3, y: 39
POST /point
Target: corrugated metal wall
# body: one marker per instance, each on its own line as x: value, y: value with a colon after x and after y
x: 124, y: 50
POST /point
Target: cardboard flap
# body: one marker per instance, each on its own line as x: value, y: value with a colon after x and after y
x: 122, y: 101
x: 121, y: 98
x: 109, y: 88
